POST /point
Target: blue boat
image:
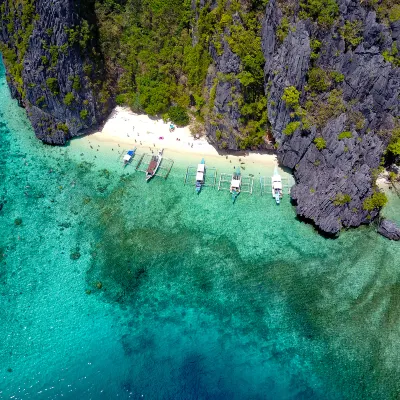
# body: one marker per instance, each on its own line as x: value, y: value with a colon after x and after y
x: 236, y: 184
x: 129, y: 155
x: 201, y: 171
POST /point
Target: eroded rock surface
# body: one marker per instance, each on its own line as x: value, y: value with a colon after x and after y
x: 61, y: 77
x: 389, y: 229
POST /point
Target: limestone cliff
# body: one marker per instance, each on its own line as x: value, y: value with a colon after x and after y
x: 344, y: 69
x: 53, y: 65
x: 317, y: 80
x: 349, y: 96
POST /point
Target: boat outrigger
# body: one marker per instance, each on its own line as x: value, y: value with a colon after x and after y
x: 276, y: 182
x: 235, y: 184
x: 128, y: 156
x: 154, y: 165
x: 201, y: 170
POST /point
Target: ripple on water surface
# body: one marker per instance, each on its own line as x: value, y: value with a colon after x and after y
x: 114, y: 287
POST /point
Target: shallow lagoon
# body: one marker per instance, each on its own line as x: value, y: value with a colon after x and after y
x: 111, y: 287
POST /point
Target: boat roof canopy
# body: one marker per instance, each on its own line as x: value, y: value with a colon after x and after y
x: 200, y: 168
x: 277, y: 185
x: 127, y: 157
x: 199, y: 176
x: 235, y: 183
x: 130, y: 152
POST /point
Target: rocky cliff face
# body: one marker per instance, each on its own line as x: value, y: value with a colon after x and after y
x: 54, y: 67
x: 352, y: 113
x: 317, y: 80
x: 348, y: 87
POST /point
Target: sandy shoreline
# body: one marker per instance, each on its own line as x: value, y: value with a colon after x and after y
x: 126, y: 129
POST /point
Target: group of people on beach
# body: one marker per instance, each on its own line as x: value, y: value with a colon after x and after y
x: 171, y: 129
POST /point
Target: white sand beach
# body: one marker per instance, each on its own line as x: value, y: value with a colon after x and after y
x: 130, y: 130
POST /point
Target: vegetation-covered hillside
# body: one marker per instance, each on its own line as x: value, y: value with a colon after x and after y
x: 318, y: 80
x: 160, y: 53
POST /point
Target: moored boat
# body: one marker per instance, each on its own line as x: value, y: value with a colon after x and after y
x: 154, y: 165
x: 129, y: 155
x: 201, y: 170
x: 235, y: 184
x: 276, y: 183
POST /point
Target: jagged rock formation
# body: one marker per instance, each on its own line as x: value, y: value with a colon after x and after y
x: 318, y: 80
x: 364, y: 101
x: 389, y: 229
x: 345, y: 86
x: 56, y: 73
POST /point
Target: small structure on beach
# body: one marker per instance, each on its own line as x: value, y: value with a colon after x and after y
x: 163, y: 167
x: 236, y: 183
x: 201, y: 176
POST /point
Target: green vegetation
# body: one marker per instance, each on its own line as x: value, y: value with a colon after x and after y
x: 392, y: 55
x: 76, y: 83
x: 351, y: 33
x: 393, y: 176
x: 63, y: 127
x: 283, y: 29
x: 321, y: 112
x: 345, y: 135
x: 320, y: 143
x: 394, y: 144
x: 68, y: 99
x: 394, y: 13
x: 342, y: 199
x: 40, y: 101
x: 318, y: 79
x: 337, y: 76
x: 160, y: 67
x: 84, y: 113
x: 377, y: 200
x: 315, y: 47
x: 24, y: 13
x: 291, y: 127
x: 291, y: 96
x: 324, y: 12
x: 387, y: 10
x: 52, y: 84
x: 178, y: 115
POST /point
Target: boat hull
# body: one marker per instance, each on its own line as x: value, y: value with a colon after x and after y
x: 153, y: 166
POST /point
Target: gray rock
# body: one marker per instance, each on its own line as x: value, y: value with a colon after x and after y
x: 371, y: 89
x: 50, y: 55
x: 389, y: 229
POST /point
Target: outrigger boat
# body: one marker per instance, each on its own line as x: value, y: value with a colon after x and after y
x: 235, y: 184
x: 154, y: 165
x: 201, y: 170
x: 276, y: 182
x: 128, y: 156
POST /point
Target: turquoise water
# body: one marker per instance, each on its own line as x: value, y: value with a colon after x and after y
x: 114, y: 288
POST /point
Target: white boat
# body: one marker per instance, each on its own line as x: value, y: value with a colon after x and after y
x: 276, y: 183
x: 129, y: 155
x: 236, y: 183
x: 154, y: 165
x: 201, y: 170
